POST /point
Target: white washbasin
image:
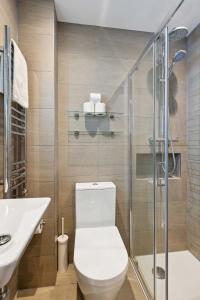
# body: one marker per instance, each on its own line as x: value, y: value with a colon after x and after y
x: 19, y: 218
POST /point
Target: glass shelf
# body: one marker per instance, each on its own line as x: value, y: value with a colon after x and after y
x: 77, y: 133
x: 80, y: 114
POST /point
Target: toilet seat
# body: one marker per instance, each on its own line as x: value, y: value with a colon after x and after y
x: 100, y: 255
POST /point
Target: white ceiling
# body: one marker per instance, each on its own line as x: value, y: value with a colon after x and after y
x: 141, y: 15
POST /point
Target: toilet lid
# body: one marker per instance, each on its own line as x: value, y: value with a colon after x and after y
x: 100, y: 253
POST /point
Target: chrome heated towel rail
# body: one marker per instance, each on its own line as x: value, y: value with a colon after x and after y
x: 14, y: 129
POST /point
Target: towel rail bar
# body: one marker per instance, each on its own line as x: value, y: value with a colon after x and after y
x: 18, y: 177
x: 17, y: 185
x: 18, y: 119
x: 18, y: 111
x: 18, y: 171
x: 18, y: 126
x: 18, y: 162
x: 18, y: 133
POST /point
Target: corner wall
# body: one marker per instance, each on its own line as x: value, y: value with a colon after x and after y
x: 193, y: 130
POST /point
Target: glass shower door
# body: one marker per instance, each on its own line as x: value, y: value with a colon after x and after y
x: 143, y: 170
x: 149, y: 153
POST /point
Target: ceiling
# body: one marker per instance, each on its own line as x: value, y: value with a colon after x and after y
x: 141, y: 15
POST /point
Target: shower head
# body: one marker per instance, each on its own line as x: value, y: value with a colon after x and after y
x: 178, y: 33
x: 178, y: 56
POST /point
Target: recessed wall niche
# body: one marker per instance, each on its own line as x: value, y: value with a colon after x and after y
x: 145, y: 165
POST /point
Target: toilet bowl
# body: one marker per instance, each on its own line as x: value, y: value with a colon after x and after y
x: 100, y: 257
x: 101, y: 262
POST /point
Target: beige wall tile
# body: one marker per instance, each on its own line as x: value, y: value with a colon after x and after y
x: 143, y: 243
x: 77, y: 160
x: 40, y: 127
x: 37, y: 271
x: 38, y: 58
x: 112, y: 155
x: 8, y: 11
x: 43, y: 189
x: 177, y: 238
x: 40, y: 162
x: 78, y: 69
x: 100, y: 42
x: 45, y: 243
x: 41, y: 89
x: 36, y: 17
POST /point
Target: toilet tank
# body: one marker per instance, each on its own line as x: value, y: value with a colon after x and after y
x: 95, y: 204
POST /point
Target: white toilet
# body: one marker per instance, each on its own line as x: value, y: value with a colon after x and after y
x: 100, y: 257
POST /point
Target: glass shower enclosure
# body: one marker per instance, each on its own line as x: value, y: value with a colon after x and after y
x: 150, y: 162
x: 164, y: 157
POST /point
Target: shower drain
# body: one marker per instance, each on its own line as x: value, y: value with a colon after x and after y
x: 160, y: 273
x: 4, y: 238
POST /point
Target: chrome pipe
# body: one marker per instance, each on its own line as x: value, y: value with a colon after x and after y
x: 166, y: 129
x: 153, y: 145
x: 130, y: 154
x: 7, y: 114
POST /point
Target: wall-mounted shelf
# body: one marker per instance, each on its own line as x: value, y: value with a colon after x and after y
x: 107, y: 125
x: 80, y: 114
x: 77, y: 133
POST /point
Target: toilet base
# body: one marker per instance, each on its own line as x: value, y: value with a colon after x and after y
x: 106, y: 292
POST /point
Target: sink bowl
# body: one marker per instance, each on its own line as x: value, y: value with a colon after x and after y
x: 18, y: 219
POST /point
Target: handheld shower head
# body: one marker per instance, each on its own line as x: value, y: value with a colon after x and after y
x: 178, y: 56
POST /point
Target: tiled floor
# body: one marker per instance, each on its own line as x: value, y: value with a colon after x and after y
x: 66, y: 289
